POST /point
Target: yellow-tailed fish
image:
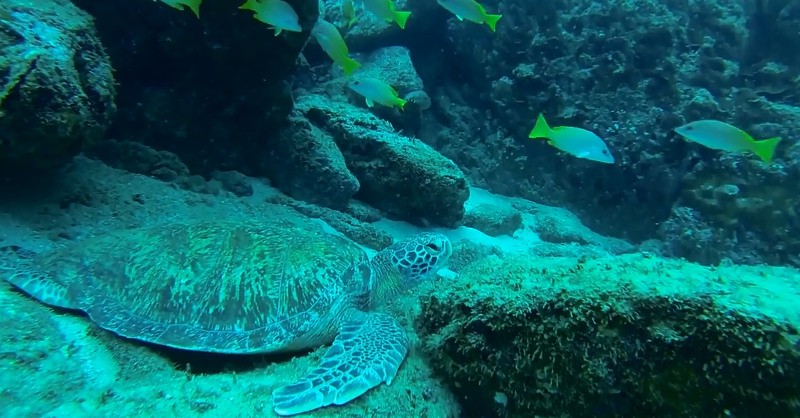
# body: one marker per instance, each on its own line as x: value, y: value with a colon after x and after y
x: 470, y: 10
x: 276, y: 13
x: 348, y: 13
x: 576, y: 141
x: 387, y: 10
x: 722, y: 136
x: 331, y: 41
x: 193, y: 5
x: 376, y: 91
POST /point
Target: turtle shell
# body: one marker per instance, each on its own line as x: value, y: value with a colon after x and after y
x: 231, y: 287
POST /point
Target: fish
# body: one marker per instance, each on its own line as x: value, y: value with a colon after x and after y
x: 576, y: 141
x: 331, y: 41
x: 276, y: 13
x: 193, y: 5
x: 348, y: 13
x: 387, y: 10
x: 470, y: 10
x: 377, y: 91
x: 725, y: 137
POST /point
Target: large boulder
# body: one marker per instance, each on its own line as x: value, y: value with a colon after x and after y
x: 57, y: 91
x: 211, y: 90
x: 399, y: 175
x: 305, y: 162
x: 628, y: 335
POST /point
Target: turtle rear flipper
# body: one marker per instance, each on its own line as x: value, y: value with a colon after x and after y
x: 17, y: 267
x: 367, y: 352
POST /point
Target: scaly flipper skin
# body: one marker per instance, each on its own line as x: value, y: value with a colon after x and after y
x: 16, y: 268
x: 367, y: 352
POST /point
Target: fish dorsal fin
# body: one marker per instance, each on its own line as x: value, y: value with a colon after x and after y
x: 370, y: 103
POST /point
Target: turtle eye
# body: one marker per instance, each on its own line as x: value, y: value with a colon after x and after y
x: 433, y: 247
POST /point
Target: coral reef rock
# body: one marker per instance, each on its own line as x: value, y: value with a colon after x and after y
x: 741, y: 208
x: 493, y: 219
x: 305, y: 163
x: 629, y: 335
x: 57, y: 92
x: 629, y: 71
x: 401, y: 176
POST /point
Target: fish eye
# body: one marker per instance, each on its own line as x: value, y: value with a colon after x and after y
x: 605, y: 151
x: 355, y: 83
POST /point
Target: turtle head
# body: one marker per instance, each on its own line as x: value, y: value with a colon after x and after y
x: 407, y: 263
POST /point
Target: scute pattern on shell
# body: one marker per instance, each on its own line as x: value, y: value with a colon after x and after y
x: 232, y: 287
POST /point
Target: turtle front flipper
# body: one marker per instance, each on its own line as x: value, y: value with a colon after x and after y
x: 18, y: 268
x: 367, y: 352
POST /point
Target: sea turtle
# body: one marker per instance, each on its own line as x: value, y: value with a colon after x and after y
x: 243, y: 287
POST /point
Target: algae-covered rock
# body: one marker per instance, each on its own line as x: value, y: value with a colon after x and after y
x: 57, y: 91
x: 234, y: 182
x: 616, y: 336
x: 139, y: 158
x: 401, y: 176
x: 743, y: 208
x: 306, y: 164
x: 493, y: 219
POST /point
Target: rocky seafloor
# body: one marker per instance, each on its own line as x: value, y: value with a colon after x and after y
x: 537, y: 315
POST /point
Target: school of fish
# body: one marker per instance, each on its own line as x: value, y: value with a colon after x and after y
x: 576, y: 141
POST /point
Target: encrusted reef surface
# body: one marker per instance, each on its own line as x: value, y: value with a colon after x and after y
x: 338, y: 151
x: 631, y: 72
x: 729, y: 209
x: 630, y: 335
x: 57, y: 88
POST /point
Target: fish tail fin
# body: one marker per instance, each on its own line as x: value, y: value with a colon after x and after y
x: 491, y: 20
x: 401, y: 18
x: 541, y: 129
x: 249, y: 5
x: 349, y: 65
x: 765, y: 148
x: 194, y: 6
